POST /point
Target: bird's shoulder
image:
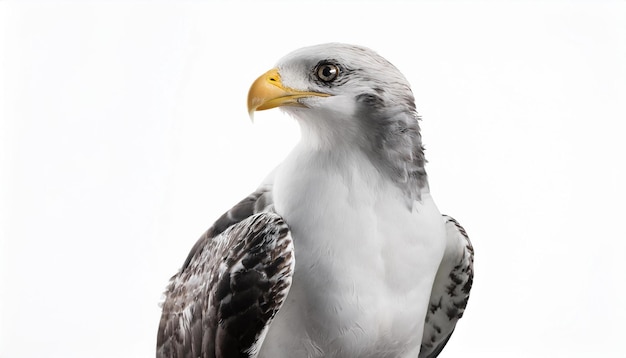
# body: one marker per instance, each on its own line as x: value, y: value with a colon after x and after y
x: 258, y: 201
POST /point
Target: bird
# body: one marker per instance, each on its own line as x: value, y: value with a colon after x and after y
x: 341, y: 252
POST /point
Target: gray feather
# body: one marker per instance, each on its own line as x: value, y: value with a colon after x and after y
x: 450, y: 292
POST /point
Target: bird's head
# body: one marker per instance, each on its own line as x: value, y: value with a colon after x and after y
x: 348, y: 95
x: 335, y: 87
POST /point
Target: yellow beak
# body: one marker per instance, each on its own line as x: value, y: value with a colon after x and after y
x: 268, y: 92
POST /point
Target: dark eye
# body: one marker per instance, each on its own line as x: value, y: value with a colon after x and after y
x: 327, y: 72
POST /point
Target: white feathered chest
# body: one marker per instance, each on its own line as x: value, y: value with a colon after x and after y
x: 365, y: 262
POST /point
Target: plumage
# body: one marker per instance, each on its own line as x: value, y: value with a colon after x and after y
x: 229, y: 290
x: 341, y: 252
x: 451, y: 289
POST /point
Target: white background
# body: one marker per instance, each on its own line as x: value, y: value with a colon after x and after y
x: 124, y: 134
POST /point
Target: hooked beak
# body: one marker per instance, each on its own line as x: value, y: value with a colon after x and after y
x: 268, y: 92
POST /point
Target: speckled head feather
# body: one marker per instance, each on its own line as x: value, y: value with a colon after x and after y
x: 370, y: 105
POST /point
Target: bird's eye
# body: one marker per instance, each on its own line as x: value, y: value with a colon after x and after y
x: 327, y: 72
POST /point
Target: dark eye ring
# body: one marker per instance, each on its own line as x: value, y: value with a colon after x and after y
x: 327, y: 72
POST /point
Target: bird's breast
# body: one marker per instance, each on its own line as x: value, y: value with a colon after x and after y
x: 365, y: 262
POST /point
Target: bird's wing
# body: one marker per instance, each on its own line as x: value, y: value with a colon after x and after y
x: 450, y: 291
x: 259, y: 201
x: 236, y: 278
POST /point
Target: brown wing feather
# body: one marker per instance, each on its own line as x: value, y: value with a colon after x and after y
x: 232, y: 284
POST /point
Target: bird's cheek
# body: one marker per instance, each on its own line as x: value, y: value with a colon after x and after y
x: 342, y: 105
x: 313, y: 102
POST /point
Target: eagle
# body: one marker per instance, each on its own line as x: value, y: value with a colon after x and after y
x: 341, y: 251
